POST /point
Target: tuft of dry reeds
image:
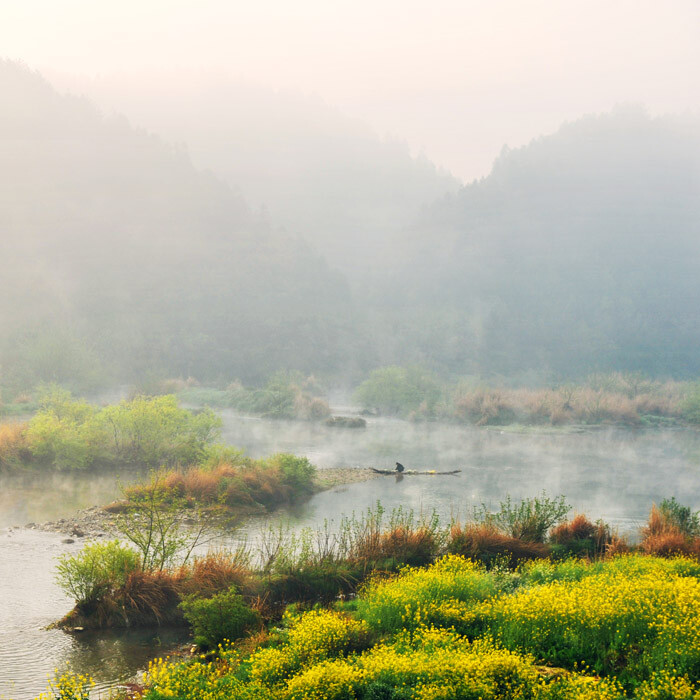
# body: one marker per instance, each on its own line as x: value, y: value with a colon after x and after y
x: 485, y: 543
x: 662, y: 537
x: 215, y: 572
x: 14, y: 445
x: 583, y: 537
x: 615, y: 398
x: 406, y: 544
x: 249, y: 485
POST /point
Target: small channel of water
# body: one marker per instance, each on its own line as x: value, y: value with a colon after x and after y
x: 612, y: 474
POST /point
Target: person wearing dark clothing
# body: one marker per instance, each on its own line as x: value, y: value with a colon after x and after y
x: 399, y: 467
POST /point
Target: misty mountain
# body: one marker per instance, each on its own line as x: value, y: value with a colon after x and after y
x: 313, y: 170
x: 118, y: 257
x: 579, y: 252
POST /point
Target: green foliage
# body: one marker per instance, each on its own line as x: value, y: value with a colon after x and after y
x: 66, y: 433
x: 224, y: 616
x: 152, y: 521
x: 680, y: 517
x: 399, y: 391
x: 529, y: 520
x: 690, y: 407
x: 100, y: 567
x: 298, y: 472
x: 70, y: 433
x: 155, y: 431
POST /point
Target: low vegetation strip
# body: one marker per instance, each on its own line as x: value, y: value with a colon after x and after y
x: 594, y: 625
x: 72, y: 434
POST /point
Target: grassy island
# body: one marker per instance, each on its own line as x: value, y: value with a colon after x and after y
x: 517, y: 604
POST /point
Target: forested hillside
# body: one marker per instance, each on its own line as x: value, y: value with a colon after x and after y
x: 119, y: 260
x: 314, y: 170
x: 579, y: 252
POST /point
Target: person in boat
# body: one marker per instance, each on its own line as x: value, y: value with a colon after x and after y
x: 399, y: 467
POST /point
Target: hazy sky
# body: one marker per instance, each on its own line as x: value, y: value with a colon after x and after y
x: 456, y: 79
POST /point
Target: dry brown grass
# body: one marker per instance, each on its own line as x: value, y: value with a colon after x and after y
x: 248, y: 485
x: 215, y: 572
x: 15, y: 449
x: 483, y: 542
x: 580, y: 535
x: 614, y: 398
x: 578, y: 528
x: 663, y: 538
x: 404, y: 544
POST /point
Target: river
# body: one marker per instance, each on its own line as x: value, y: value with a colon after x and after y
x: 613, y: 474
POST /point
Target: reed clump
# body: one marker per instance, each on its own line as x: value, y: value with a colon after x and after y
x: 15, y: 447
x: 243, y: 484
x: 616, y: 399
x: 670, y: 530
x: 484, y: 543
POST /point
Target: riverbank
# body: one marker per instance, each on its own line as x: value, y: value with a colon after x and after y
x: 398, y: 607
x: 100, y: 521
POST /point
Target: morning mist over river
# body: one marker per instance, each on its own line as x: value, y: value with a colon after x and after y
x: 350, y: 351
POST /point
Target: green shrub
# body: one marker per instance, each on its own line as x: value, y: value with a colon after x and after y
x: 680, y: 517
x: 399, y: 391
x: 98, y: 568
x: 156, y: 431
x: 68, y: 433
x: 223, y: 616
x: 530, y: 520
x: 690, y: 406
x: 298, y: 472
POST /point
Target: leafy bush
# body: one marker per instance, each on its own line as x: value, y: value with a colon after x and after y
x: 399, y: 391
x: 690, y: 406
x: 485, y: 544
x: 223, y: 616
x: 297, y: 472
x: 98, y: 568
x: 156, y: 431
x: 530, y: 520
x: 68, y: 433
x: 679, y: 516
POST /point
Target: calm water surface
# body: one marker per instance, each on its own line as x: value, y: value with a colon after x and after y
x: 611, y: 474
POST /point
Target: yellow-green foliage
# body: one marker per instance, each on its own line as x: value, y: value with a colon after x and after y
x: 442, y: 594
x: 438, y: 665
x: 68, y: 686
x: 313, y: 637
x: 622, y: 628
x: 73, y: 434
x: 619, y: 619
x: 201, y: 681
x: 664, y: 685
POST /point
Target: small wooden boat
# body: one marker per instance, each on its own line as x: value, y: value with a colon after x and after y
x: 411, y: 472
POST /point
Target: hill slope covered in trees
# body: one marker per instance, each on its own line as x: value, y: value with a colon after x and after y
x: 118, y: 259
x: 579, y: 252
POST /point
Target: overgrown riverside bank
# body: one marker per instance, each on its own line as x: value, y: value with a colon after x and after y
x: 510, y: 617
x: 67, y: 433
x: 628, y: 399
x: 142, y: 578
